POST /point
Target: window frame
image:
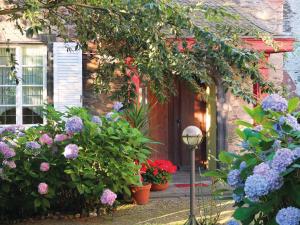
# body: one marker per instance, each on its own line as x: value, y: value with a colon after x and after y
x: 19, y: 88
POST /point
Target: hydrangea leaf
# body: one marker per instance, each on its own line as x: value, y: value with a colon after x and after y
x: 293, y: 104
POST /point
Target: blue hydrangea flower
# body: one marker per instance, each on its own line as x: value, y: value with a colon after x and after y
x: 33, y: 145
x: 274, y: 102
x: 291, y: 121
x: 245, y: 145
x: 237, y: 198
x: 256, y: 186
x: 276, y: 144
x: 233, y: 178
x: 111, y: 116
x: 258, y: 128
x: 288, y: 216
x: 278, y: 129
x: 274, y: 180
x: 243, y: 165
x: 233, y: 222
x: 118, y: 106
x: 73, y: 125
x: 97, y: 120
x: 282, y: 159
x: 296, y: 152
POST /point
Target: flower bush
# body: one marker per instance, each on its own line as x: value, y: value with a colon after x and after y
x: 265, y: 176
x: 75, y: 163
x: 158, y: 171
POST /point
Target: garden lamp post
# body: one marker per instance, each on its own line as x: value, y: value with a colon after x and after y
x: 192, y: 136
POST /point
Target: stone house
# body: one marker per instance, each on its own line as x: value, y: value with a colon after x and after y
x: 52, y: 74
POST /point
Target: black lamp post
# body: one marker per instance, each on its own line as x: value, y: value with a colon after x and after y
x: 192, y: 136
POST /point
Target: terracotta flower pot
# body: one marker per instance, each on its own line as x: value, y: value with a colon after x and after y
x: 159, y: 187
x: 141, y: 194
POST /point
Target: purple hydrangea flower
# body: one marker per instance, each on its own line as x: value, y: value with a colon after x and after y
x: 33, y: 145
x: 288, y: 216
x: 97, y: 120
x: 291, y: 121
x: 6, y: 151
x: 233, y: 178
x: 46, y: 139
x: 71, y: 151
x: 282, y: 159
x: 74, y: 125
x: 21, y: 134
x: 61, y: 137
x: 262, y: 169
x: 237, y: 198
x: 256, y: 186
x: 108, y: 197
x: 274, y: 102
x: 233, y: 222
x: 118, y: 106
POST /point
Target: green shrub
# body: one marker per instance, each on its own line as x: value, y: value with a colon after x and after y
x: 265, y: 176
x: 107, y: 150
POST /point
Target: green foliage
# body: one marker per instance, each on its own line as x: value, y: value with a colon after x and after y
x: 148, y: 31
x: 107, y: 155
x: 138, y: 115
x: 273, y: 130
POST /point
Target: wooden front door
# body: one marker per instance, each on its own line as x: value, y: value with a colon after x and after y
x: 188, y: 109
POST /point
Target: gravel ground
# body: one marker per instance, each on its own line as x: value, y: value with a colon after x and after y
x: 172, y: 211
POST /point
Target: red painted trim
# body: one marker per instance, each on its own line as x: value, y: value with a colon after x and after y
x: 283, y: 44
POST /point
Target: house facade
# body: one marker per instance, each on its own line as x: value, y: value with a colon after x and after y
x: 53, y: 72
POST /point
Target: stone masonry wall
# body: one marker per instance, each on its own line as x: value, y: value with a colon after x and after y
x: 269, y: 14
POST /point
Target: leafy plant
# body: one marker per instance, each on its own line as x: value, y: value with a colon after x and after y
x: 66, y: 164
x: 265, y: 177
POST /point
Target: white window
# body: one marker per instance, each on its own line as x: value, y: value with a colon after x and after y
x: 22, y: 103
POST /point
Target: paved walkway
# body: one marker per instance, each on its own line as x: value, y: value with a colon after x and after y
x: 170, y: 207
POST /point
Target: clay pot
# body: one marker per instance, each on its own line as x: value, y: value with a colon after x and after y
x: 159, y: 187
x: 141, y: 194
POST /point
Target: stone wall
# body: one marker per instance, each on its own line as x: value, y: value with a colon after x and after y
x: 292, y: 60
x: 267, y: 14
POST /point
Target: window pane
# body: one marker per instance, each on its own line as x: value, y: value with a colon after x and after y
x: 4, y: 77
x: 5, y: 55
x: 7, y: 115
x: 33, y: 75
x: 33, y: 95
x: 7, y: 95
x: 32, y: 56
x: 32, y: 115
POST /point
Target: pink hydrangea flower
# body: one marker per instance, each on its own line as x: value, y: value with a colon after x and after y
x: 44, y: 167
x: 61, y: 137
x: 46, y: 139
x: 43, y: 188
x: 108, y: 197
x: 10, y: 164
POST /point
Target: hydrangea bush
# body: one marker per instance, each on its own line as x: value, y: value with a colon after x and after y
x: 74, y: 163
x: 265, y: 175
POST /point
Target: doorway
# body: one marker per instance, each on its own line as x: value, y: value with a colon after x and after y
x: 186, y: 109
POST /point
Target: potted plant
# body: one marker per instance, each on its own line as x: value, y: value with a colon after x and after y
x: 159, y: 173
x: 141, y: 193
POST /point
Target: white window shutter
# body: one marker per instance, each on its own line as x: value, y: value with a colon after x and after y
x: 67, y: 76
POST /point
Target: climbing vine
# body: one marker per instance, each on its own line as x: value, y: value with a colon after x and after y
x: 148, y: 31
